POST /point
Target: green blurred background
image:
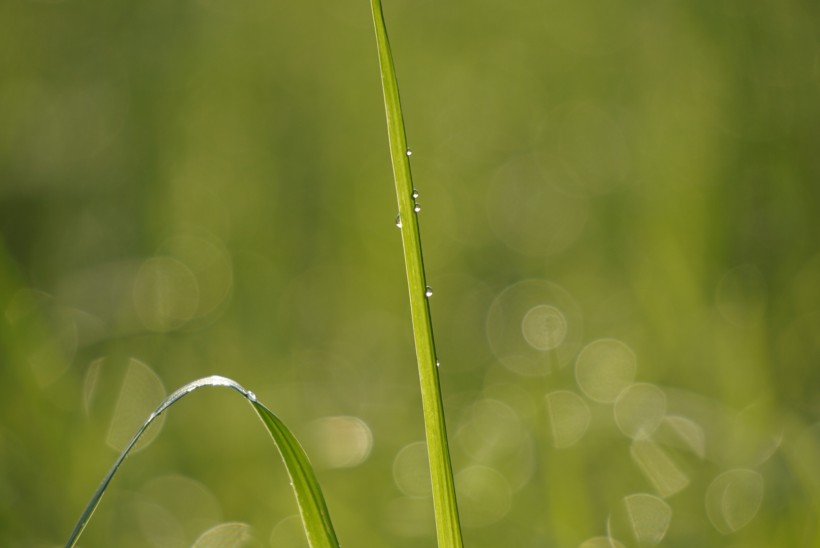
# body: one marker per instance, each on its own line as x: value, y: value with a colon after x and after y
x: 611, y: 192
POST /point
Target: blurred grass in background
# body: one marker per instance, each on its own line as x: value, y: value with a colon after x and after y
x: 621, y: 210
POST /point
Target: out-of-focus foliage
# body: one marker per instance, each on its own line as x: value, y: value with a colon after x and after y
x: 620, y: 211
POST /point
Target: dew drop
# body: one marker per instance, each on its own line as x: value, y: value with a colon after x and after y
x: 428, y: 291
x: 409, y: 152
x: 415, y: 194
x: 417, y: 208
x: 398, y: 220
x: 438, y: 363
x: 251, y: 396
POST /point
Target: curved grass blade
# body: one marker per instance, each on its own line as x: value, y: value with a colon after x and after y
x: 448, y: 527
x: 311, y: 502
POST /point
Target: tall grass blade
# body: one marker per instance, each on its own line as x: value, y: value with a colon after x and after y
x: 448, y: 527
x: 312, y: 507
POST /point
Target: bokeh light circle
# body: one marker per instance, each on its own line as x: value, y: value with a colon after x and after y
x: 604, y: 368
x: 165, y: 294
x: 411, y: 471
x: 339, y: 441
x: 534, y: 327
x: 641, y: 517
x: 234, y: 534
x: 733, y: 499
x: 484, y: 496
x: 530, y: 213
x: 289, y: 533
x: 544, y: 327
x: 639, y: 410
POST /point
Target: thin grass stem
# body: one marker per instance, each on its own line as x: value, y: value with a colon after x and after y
x: 448, y: 528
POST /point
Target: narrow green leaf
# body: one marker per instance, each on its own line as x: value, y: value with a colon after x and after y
x: 312, y: 507
x: 444, y: 497
x: 315, y: 516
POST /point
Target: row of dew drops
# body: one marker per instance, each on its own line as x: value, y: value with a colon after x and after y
x: 428, y: 291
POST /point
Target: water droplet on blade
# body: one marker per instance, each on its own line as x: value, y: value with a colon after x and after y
x: 428, y: 291
x: 438, y: 363
x: 417, y: 208
x: 398, y: 220
x: 409, y: 152
x: 251, y: 396
x: 415, y: 194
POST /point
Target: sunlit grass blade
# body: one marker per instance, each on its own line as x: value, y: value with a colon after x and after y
x: 312, y: 507
x: 448, y: 527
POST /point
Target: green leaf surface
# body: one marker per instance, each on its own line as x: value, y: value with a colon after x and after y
x: 311, y: 502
